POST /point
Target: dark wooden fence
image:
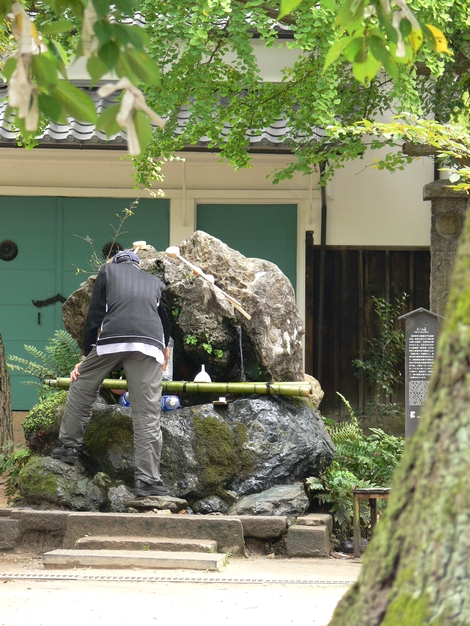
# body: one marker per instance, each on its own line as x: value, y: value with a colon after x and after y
x: 352, y: 277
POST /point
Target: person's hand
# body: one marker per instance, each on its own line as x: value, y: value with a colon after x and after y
x: 75, y: 373
x: 166, y: 354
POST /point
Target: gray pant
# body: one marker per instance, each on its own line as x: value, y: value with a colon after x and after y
x: 144, y: 381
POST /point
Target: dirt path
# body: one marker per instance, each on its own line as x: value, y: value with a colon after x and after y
x: 301, y: 592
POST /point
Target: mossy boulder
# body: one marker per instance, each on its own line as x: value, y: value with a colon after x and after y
x: 247, y: 446
x: 46, y: 481
x: 41, y: 425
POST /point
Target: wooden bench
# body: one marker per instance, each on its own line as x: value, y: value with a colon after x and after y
x: 372, y: 495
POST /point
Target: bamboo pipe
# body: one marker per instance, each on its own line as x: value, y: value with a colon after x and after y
x: 173, y: 252
x: 275, y: 389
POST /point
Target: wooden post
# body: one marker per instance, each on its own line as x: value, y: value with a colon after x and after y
x: 357, y: 527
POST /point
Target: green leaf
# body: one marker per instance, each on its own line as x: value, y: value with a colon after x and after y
x: 96, y: 68
x: 365, y: 71
x: 336, y: 51
x: 351, y: 15
x: 134, y: 35
x: 287, y: 6
x: 109, y: 54
x: 75, y: 102
x: 51, y: 109
x: 143, y: 66
x: 5, y: 8
x: 61, y: 26
x: 143, y: 129
x: 44, y: 70
x: 405, y: 27
x: 381, y: 53
x: 126, y: 6
x: 102, y: 7
x: 329, y: 4
x: 124, y: 69
x: 107, y: 121
x: 58, y: 51
x: 353, y: 48
x: 104, y: 31
x: 9, y: 68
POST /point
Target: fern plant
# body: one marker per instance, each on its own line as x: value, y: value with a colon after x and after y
x: 57, y: 359
x: 361, y: 461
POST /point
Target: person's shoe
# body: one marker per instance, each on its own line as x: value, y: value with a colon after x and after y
x: 142, y: 488
x: 66, y: 454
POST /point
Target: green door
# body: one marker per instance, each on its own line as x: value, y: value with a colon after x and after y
x: 50, y: 235
x: 263, y: 231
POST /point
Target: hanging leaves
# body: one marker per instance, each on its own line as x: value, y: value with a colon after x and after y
x: 394, y: 42
x: 37, y: 77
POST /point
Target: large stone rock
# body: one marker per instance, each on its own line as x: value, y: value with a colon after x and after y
x: 207, y: 329
x: 284, y: 500
x: 46, y: 480
x: 245, y: 447
x: 272, y: 340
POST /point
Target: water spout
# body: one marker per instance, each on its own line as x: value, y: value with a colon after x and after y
x: 242, y: 365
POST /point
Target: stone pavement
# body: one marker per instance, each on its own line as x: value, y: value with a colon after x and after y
x: 248, y: 591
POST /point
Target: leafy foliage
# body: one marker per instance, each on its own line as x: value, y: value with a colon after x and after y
x: 449, y: 142
x: 210, y: 67
x: 12, y: 462
x: 36, y: 71
x: 361, y: 461
x: 380, y: 363
x: 57, y: 359
x: 372, y: 34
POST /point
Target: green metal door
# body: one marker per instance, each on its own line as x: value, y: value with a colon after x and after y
x: 263, y: 231
x: 50, y: 235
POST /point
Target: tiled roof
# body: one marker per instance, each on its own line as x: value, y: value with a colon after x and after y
x: 65, y: 135
x: 81, y: 134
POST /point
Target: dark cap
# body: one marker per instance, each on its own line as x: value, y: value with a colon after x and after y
x: 126, y: 255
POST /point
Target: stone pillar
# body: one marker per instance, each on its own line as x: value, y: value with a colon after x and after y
x: 448, y: 212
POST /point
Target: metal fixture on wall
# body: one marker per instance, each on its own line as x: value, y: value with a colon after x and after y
x: 8, y: 250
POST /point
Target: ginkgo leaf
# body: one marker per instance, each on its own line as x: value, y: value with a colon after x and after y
x: 416, y: 39
x: 287, y: 6
x: 437, y: 39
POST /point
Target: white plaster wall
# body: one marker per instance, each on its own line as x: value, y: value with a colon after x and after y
x: 368, y: 207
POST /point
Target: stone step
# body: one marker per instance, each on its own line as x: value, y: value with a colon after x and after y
x: 144, y: 559
x: 105, y: 542
x: 226, y: 531
x: 9, y: 531
x: 308, y: 541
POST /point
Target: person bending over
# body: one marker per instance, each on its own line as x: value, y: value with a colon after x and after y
x: 127, y: 326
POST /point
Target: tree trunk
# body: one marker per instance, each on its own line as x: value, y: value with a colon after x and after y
x: 6, y: 422
x: 416, y: 569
